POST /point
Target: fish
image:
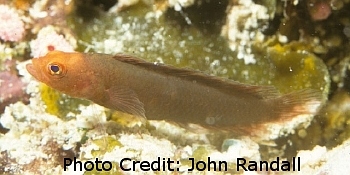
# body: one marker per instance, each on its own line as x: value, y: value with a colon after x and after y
x: 162, y: 92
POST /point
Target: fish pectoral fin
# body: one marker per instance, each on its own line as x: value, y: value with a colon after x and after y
x: 125, y: 100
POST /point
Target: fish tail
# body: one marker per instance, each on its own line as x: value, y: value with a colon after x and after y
x: 303, y: 102
x: 300, y: 105
x: 306, y: 102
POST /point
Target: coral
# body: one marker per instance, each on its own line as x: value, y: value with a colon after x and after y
x: 182, y: 3
x: 48, y: 40
x: 11, y: 25
x: 44, y: 13
x: 319, y: 10
x: 319, y: 160
x: 8, y: 51
x: 335, y: 119
x: 240, y: 28
x: 22, y: 142
x: 11, y: 89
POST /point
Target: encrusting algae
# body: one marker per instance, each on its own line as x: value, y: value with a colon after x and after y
x: 51, y: 98
x: 57, y: 103
x: 296, y: 63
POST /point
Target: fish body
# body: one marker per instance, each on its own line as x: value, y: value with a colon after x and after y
x: 161, y: 92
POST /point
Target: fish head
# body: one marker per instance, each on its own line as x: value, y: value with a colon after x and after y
x: 62, y: 71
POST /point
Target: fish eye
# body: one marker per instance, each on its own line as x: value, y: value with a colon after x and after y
x: 55, y: 69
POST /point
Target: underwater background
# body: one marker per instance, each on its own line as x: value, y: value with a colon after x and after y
x: 291, y: 45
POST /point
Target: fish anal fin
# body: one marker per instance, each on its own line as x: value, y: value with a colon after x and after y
x: 125, y: 100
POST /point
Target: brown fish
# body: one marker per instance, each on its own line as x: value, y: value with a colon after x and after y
x: 161, y: 92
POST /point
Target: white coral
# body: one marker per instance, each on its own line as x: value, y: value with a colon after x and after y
x: 11, y: 25
x: 48, y: 39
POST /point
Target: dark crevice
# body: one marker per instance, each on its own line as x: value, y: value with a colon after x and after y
x: 208, y: 16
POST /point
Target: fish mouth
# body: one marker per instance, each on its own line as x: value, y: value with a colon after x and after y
x: 31, y: 69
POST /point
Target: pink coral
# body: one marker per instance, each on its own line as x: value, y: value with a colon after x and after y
x: 320, y: 10
x: 11, y: 90
x: 49, y: 40
x: 11, y: 25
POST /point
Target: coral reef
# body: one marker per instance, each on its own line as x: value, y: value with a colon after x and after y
x: 291, y: 45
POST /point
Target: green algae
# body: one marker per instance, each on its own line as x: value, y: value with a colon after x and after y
x: 336, y: 119
x: 50, y: 97
x: 114, y: 170
x: 58, y: 104
x: 329, y: 128
x: 200, y: 153
x: 297, y: 68
x: 106, y: 144
x: 123, y: 119
x: 152, y: 36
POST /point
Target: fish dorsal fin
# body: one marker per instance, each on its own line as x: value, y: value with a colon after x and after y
x: 224, y: 85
